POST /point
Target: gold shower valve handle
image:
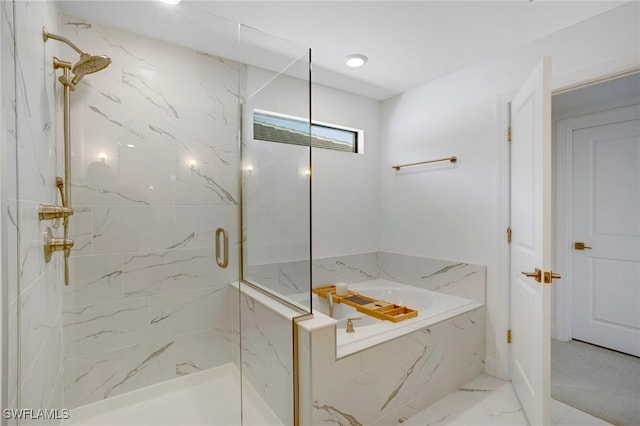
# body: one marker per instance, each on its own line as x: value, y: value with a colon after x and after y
x: 53, y: 244
x: 350, y: 321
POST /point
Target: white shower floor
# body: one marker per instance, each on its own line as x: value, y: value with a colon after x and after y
x: 210, y: 398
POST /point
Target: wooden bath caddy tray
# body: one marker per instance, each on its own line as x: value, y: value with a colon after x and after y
x: 372, y: 307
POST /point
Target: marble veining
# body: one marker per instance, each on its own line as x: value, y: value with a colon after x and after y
x: 337, y: 414
x: 138, y: 368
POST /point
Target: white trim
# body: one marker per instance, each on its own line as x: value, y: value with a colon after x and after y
x: 564, y: 213
x: 500, y: 367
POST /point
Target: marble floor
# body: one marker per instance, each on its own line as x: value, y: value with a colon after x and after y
x: 490, y: 401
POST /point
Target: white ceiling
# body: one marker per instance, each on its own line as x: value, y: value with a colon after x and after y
x: 408, y: 42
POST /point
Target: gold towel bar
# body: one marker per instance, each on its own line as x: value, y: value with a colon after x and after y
x: 453, y: 160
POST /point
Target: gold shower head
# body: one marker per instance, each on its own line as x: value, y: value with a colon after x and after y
x: 86, y: 65
x: 89, y: 64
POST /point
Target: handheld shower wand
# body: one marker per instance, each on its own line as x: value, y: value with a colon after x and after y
x: 86, y: 65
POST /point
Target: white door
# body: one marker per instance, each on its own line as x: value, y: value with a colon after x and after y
x: 606, y: 220
x: 531, y: 244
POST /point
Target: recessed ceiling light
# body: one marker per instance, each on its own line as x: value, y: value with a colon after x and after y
x: 356, y: 60
x: 171, y: 1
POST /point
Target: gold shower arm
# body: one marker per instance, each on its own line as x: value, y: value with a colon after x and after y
x: 46, y: 35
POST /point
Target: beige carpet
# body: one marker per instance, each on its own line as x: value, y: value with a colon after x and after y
x: 603, y: 383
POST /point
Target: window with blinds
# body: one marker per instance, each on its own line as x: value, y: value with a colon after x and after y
x: 279, y: 128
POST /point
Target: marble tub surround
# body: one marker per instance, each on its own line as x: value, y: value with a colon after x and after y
x: 444, y: 276
x: 154, y: 173
x: 432, y: 308
x: 394, y: 379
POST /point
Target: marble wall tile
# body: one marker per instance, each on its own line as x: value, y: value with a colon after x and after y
x: 12, y: 353
x: 32, y: 264
x: 100, y: 327
x: 267, y: 355
x: 30, y: 165
x: 458, y: 279
x: 179, y: 313
x: 94, y: 279
x: 455, y: 278
x: 286, y: 279
x: 12, y: 251
x: 104, y: 374
x: 154, y: 273
x: 146, y: 219
x: 40, y: 310
x: 7, y: 103
x: 305, y: 376
x: 202, y: 350
x: 120, y: 229
x: 81, y: 231
x: 350, y: 269
x: 40, y: 383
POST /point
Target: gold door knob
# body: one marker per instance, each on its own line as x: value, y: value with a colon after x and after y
x: 580, y: 246
x: 550, y: 276
x: 537, y: 275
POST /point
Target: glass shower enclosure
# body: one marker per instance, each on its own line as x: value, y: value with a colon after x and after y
x: 178, y: 210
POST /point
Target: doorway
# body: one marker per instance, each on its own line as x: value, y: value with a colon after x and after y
x: 596, y: 310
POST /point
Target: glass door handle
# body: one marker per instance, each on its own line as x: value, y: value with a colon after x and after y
x: 222, y: 261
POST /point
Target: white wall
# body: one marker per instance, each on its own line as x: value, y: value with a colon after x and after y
x: 453, y: 212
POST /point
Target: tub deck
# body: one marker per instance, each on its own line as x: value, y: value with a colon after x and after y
x: 433, y: 307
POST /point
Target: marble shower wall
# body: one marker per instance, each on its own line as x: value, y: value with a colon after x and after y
x: 29, y: 166
x: 154, y: 154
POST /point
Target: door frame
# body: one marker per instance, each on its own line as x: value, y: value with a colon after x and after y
x: 563, y: 145
x: 561, y: 84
